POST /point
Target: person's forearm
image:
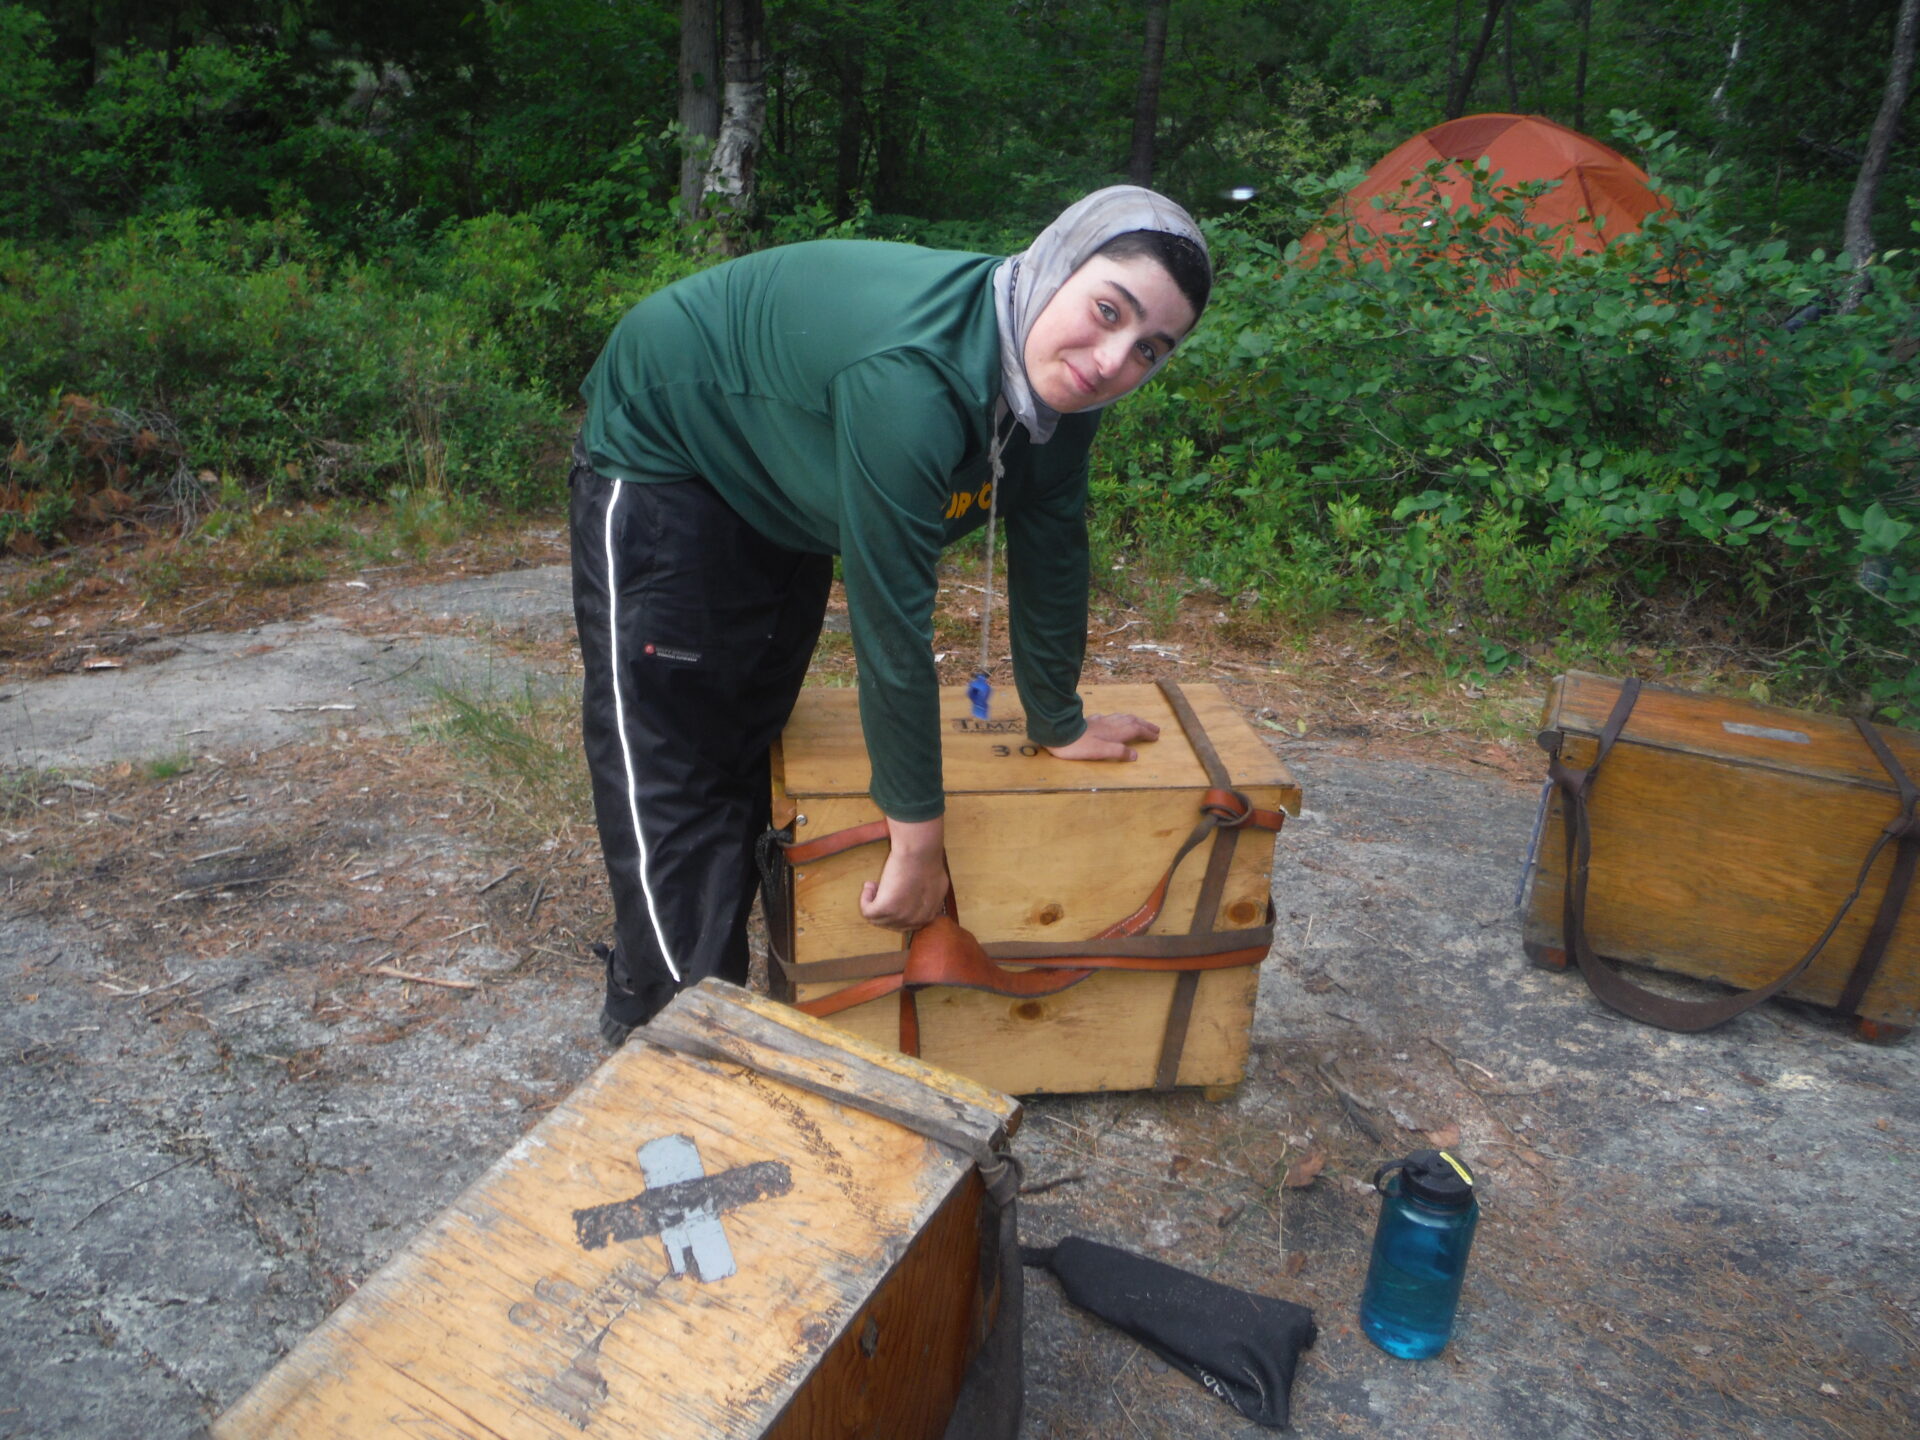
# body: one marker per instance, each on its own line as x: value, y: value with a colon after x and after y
x: 916, y: 839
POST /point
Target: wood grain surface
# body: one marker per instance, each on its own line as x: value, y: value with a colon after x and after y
x: 500, y: 1321
x: 1723, y: 853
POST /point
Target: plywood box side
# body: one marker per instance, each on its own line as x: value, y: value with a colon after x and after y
x: 898, y: 1365
x: 1731, y: 730
x: 1103, y: 1034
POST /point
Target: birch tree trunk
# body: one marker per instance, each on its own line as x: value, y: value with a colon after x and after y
x: 1722, y: 110
x: 1146, y: 99
x: 743, y: 117
x: 1866, y: 190
x: 699, y: 101
x: 1718, y: 99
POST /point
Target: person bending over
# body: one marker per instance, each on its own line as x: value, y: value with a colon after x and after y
x: 854, y: 398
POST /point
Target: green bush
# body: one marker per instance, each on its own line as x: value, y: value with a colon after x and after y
x: 185, y: 344
x: 539, y: 286
x: 1488, y: 442
x: 186, y: 350
x: 532, y: 290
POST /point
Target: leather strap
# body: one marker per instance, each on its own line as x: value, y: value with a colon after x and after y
x: 1173, y: 1042
x: 1904, y: 831
x: 1615, y: 989
x: 944, y: 953
x: 776, y: 898
x: 1145, y: 948
x: 854, y: 835
x: 1197, y: 737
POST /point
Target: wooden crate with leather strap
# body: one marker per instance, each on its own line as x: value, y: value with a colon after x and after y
x: 1044, y: 990
x: 1771, y: 850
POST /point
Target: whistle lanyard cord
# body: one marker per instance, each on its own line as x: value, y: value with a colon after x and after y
x: 1000, y: 439
x: 986, y: 608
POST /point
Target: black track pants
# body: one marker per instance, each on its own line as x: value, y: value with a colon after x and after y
x: 695, y: 632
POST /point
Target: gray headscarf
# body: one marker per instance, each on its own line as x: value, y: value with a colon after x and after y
x: 1023, y: 285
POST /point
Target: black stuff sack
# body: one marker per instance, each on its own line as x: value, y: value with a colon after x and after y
x: 1242, y: 1347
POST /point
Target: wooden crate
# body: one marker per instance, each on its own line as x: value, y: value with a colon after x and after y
x: 688, y: 1248
x: 1045, y: 854
x: 1726, y: 835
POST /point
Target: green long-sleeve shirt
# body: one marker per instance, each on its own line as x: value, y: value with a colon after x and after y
x: 839, y: 395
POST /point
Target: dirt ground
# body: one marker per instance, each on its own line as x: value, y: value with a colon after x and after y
x: 283, y: 972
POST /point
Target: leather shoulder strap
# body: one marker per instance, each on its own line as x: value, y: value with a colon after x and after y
x: 1904, y: 831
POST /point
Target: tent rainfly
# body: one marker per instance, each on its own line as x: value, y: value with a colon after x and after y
x: 1601, y: 193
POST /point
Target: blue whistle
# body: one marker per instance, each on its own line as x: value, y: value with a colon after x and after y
x: 980, y: 693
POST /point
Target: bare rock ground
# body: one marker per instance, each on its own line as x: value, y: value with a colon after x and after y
x: 265, y: 1017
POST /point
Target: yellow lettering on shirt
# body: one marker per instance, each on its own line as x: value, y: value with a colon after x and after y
x: 961, y: 501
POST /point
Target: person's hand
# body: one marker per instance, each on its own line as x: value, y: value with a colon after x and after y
x: 912, y: 886
x: 1108, y: 737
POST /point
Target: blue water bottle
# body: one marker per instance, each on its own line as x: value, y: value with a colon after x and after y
x: 1427, y: 1215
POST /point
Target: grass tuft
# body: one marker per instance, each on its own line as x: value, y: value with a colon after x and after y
x: 524, y: 752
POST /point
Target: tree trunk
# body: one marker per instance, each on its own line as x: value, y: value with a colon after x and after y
x: 1463, y: 88
x: 743, y: 116
x: 892, y: 140
x: 1580, y: 67
x: 699, y: 101
x: 1719, y: 96
x: 1866, y: 190
x: 850, y: 137
x: 1146, y: 99
x: 1722, y: 111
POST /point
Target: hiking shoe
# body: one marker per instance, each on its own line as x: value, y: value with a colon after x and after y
x: 628, y: 1006
x: 612, y: 1031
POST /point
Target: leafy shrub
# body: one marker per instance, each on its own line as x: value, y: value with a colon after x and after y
x: 1479, y: 438
x: 535, y: 292
x: 247, y: 348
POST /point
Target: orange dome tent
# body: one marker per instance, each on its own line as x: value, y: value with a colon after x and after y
x: 1595, y: 181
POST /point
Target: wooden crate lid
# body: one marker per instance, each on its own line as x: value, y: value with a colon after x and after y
x: 1732, y: 729
x: 542, y: 1302
x: 823, y: 752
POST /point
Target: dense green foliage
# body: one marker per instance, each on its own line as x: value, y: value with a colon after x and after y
x: 1491, y: 443
x: 316, y: 249
x: 382, y: 123
x: 184, y: 344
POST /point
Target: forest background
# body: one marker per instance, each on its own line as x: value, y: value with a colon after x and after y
x: 266, y: 265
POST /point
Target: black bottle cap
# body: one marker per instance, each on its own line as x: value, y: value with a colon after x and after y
x: 1434, y: 1177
